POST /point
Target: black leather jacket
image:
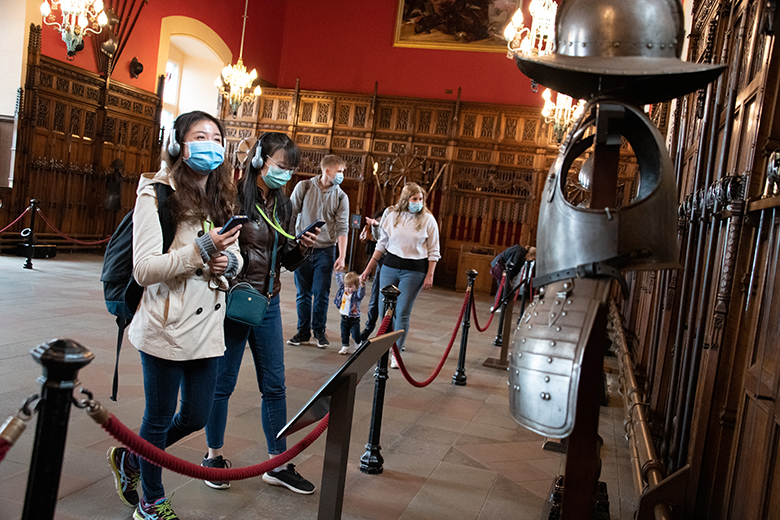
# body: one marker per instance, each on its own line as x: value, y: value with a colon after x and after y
x: 257, y: 239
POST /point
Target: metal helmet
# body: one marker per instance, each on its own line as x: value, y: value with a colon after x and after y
x: 586, y: 242
x: 620, y: 49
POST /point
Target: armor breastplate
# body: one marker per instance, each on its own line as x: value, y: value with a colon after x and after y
x: 576, y: 242
x: 546, y: 355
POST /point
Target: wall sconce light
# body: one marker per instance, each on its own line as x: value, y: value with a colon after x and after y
x: 136, y: 67
x: 561, y: 113
x: 79, y: 18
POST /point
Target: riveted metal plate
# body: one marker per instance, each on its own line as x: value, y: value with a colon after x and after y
x: 545, y: 359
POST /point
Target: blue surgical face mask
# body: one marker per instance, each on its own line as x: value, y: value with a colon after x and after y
x: 276, y: 177
x: 415, y: 207
x: 205, y: 156
x: 338, y: 178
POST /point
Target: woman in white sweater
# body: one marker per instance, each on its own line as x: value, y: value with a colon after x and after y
x: 410, y: 246
x: 178, y: 325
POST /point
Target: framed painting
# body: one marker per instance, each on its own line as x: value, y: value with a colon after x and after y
x: 470, y: 25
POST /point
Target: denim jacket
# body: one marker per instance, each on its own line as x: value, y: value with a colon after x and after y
x: 354, y: 307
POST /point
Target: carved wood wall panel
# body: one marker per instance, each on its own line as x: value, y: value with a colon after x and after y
x: 71, y: 129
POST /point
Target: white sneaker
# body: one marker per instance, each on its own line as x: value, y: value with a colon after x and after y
x: 344, y: 351
x: 393, y: 361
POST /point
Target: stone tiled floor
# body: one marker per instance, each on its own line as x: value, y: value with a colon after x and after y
x: 450, y: 452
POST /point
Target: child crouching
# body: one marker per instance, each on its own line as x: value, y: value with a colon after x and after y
x: 348, y: 299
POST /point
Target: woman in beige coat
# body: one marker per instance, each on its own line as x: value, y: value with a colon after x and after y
x: 178, y: 325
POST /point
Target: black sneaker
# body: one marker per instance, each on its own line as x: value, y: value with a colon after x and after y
x: 365, y: 334
x: 298, y: 339
x: 216, y: 462
x: 322, y: 339
x: 290, y: 479
x: 125, y: 477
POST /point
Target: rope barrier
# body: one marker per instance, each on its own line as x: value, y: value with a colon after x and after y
x: 15, y: 221
x: 4, y: 447
x: 385, y: 324
x: 492, y: 313
x: 422, y: 384
x: 165, y: 460
x: 71, y: 239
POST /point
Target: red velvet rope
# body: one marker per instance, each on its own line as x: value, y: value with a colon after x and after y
x: 493, y: 312
x: 428, y: 381
x: 160, y: 458
x: 15, y: 221
x: 384, y: 325
x: 4, y: 447
x: 70, y: 239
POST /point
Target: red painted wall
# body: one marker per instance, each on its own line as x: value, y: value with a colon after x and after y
x: 333, y: 45
x: 262, y: 48
x: 347, y: 45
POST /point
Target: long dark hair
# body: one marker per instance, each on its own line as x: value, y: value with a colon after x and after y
x: 270, y: 142
x: 190, y: 201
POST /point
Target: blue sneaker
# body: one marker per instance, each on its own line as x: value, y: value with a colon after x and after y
x: 159, y: 510
x: 125, y: 476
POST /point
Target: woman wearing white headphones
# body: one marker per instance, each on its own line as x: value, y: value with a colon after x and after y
x: 178, y: 327
x: 267, y: 244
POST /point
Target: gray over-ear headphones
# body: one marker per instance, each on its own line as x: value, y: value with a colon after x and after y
x: 174, y: 149
x: 257, y: 160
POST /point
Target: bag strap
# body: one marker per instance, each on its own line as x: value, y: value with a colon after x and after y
x: 166, y: 215
x: 122, y: 323
x: 272, y: 273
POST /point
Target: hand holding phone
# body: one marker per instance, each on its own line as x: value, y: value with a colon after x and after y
x: 234, y: 221
x: 319, y: 224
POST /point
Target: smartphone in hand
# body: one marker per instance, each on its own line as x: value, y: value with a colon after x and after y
x: 319, y: 224
x: 234, y: 221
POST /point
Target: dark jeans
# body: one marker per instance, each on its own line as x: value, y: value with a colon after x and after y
x: 373, y: 303
x: 350, y: 325
x: 162, y: 425
x: 267, y: 346
x: 312, y: 280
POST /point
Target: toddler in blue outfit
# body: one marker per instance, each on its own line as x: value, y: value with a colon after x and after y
x: 348, y: 299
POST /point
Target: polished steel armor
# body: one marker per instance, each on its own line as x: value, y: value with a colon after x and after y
x: 546, y: 356
x: 601, y: 241
x: 621, y: 49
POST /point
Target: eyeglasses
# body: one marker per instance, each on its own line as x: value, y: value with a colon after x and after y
x: 291, y: 170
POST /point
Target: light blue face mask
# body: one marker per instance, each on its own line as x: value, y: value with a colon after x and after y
x: 276, y: 177
x: 338, y: 178
x: 205, y: 156
x: 415, y: 207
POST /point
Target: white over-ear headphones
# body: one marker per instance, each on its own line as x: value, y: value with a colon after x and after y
x: 257, y: 160
x: 173, y: 146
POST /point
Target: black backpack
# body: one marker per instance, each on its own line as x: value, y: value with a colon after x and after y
x: 120, y: 290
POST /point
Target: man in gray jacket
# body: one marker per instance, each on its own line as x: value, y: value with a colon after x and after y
x: 320, y: 198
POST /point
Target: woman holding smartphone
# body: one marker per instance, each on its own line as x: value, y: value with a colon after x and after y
x: 178, y: 325
x: 274, y: 158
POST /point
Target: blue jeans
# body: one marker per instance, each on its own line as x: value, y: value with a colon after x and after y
x: 409, y: 283
x: 312, y: 279
x: 373, y: 304
x: 162, y: 425
x: 267, y: 346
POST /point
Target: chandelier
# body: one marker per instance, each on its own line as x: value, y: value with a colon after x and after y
x: 79, y: 17
x: 561, y: 113
x: 539, y: 39
x: 235, y: 83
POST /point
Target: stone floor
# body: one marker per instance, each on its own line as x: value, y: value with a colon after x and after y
x: 450, y: 452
